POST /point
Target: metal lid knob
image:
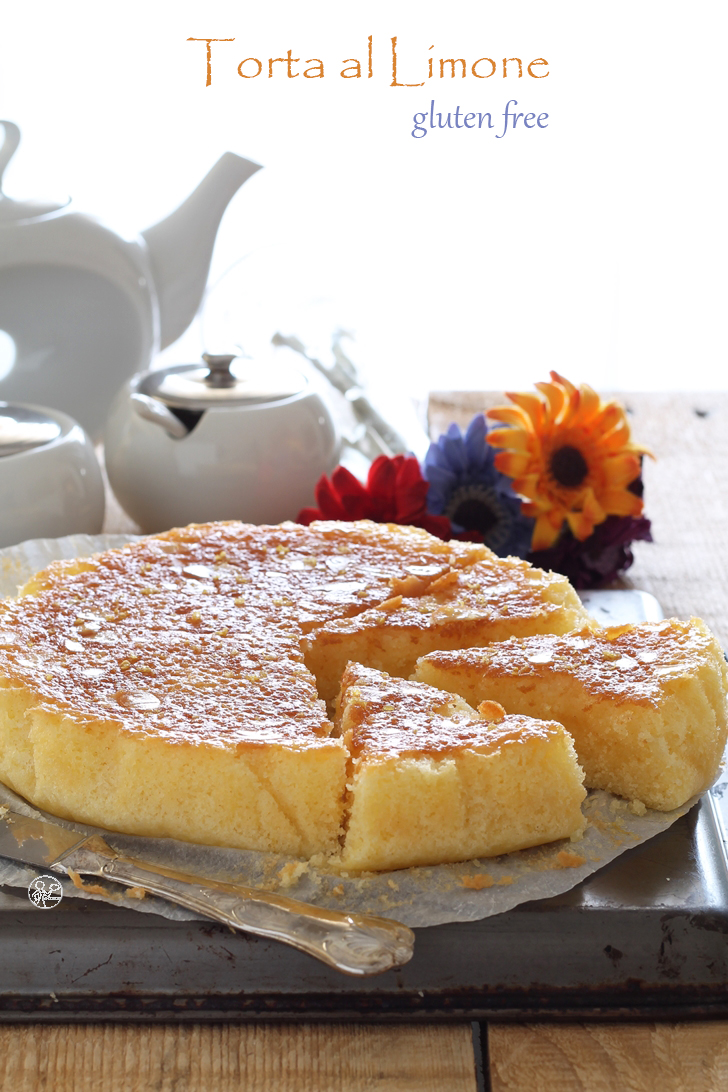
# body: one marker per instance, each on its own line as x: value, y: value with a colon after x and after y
x: 220, y: 374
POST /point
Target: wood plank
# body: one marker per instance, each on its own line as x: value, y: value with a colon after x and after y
x: 229, y: 1058
x: 609, y: 1057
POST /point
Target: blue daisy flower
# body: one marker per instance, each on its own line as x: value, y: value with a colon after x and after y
x: 466, y: 487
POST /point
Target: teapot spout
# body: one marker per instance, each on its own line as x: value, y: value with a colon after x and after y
x: 180, y: 246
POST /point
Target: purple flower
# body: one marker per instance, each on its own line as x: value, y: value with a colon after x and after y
x: 600, y: 558
x: 466, y: 487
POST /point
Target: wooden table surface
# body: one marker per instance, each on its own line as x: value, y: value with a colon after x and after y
x: 687, y: 570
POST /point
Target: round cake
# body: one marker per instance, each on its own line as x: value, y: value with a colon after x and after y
x: 184, y: 686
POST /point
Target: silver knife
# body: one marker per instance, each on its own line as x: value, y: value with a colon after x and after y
x: 357, y: 944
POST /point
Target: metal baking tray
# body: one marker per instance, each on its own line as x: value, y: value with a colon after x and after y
x: 645, y: 937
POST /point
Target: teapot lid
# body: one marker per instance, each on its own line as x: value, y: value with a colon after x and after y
x: 11, y: 210
x: 25, y: 427
x: 228, y: 380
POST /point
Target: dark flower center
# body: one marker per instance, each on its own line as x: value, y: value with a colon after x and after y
x: 568, y: 467
x: 475, y: 515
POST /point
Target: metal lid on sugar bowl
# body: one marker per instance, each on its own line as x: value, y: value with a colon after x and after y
x: 225, y: 381
x: 23, y: 428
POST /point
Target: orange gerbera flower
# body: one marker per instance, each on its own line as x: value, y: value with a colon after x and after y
x: 570, y: 455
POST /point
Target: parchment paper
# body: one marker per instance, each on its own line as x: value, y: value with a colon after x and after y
x: 416, y: 896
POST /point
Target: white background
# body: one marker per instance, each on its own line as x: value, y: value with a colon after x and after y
x: 595, y: 246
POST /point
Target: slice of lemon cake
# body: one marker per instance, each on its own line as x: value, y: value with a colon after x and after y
x: 489, y: 600
x: 432, y: 780
x: 645, y: 704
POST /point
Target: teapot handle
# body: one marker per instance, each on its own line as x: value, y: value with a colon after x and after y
x: 9, y: 146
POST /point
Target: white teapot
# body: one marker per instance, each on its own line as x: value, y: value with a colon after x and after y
x: 233, y: 439
x: 82, y: 309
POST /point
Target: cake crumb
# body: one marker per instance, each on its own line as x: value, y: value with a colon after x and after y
x: 478, y: 881
x: 393, y: 884
x: 637, y: 807
x: 90, y: 888
x: 338, y: 890
x: 504, y: 881
x: 291, y: 873
x: 136, y: 893
x: 491, y: 711
x: 566, y: 859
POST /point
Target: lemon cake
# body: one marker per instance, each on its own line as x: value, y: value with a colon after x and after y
x: 178, y: 686
x: 645, y: 704
x: 430, y: 779
x: 161, y: 689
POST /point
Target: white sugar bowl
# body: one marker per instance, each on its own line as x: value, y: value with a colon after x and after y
x: 50, y: 479
x: 233, y: 438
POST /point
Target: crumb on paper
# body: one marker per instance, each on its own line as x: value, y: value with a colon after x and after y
x: 566, y: 859
x: 478, y: 881
x: 291, y: 873
x: 637, y: 807
x: 612, y: 830
x: 393, y: 884
x: 504, y: 881
x: 338, y: 890
x: 90, y: 888
x: 136, y: 893
x: 3, y: 811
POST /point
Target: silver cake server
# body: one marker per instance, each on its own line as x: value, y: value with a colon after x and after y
x: 357, y: 944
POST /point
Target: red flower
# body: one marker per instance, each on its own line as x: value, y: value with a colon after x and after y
x: 395, y: 492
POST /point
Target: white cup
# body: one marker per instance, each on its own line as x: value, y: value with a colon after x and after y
x: 52, y: 488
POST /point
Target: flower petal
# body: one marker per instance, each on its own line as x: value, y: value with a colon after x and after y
x: 590, y: 404
x: 620, y: 502
x: 531, y: 404
x: 512, y: 465
x: 308, y: 515
x: 579, y: 524
x: 620, y: 470
x: 544, y: 534
x: 509, y: 415
x: 512, y: 439
x: 555, y: 396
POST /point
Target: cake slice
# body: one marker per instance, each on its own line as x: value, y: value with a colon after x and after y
x: 488, y: 600
x: 645, y: 704
x: 432, y: 780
